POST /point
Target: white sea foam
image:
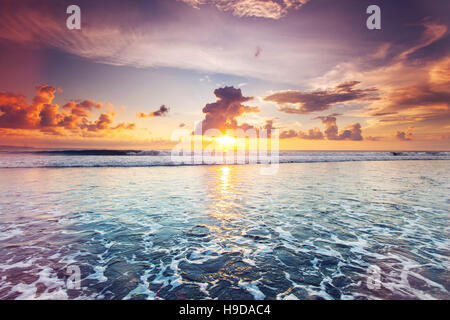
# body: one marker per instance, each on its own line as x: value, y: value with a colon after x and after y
x: 162, y: 158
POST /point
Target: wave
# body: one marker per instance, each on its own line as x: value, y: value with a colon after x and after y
x: 136, y: 152
x: 86, y: 152
x: 92, y: 152
x: 113, y: 152
x: 150, y: 158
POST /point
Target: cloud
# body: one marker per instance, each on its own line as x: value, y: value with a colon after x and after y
x: 222, y: 114
x: 433, y: 32
x: 373, y: 138
x: 412, y: 80
x: 270, y: 9
x: 415, y: 97
x: 44, y: 116
x: 176, y: 37
x: 162, y: 111
x: 311, y: 134
x: 209, y: 41
x: 268, y: 127
x: 393, y: 65
x: 351, y: 132
x: 405, y: 135
x: 288, y: 134
x: 102, y: 123
x: 426, y: 101
x: 424, y: 104
x: 125, y: 126
x: 307, y: 102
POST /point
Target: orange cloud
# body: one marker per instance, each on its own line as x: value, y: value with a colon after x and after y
x: 311, y: 134
x: 162, y: 111
x: 351, y: 132
x: 222, y: 114
x: 44, y: 116
x: 307, y: 102
x: 433, y: 32
x: 252, y: 8
x: 413, y: 86
x: 404, y: 135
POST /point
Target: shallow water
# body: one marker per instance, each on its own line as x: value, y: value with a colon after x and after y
x: 335, y: 230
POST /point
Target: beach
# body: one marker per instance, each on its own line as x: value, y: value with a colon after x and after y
x: 314, y: 230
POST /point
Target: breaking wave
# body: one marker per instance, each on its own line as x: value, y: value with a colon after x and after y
x: 148, y: 158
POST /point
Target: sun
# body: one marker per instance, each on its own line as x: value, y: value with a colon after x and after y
x: 226, y: 141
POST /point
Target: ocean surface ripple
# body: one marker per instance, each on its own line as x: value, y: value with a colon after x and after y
x: 327, y: 230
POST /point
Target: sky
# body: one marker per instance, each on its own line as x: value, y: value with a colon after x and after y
x: 137, y: 71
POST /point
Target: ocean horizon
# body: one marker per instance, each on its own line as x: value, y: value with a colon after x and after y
x: 63, y: 157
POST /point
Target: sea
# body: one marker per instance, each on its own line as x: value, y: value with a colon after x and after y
x: 132, y: 224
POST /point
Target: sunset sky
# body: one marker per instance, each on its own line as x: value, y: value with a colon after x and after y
x: 138, y: 70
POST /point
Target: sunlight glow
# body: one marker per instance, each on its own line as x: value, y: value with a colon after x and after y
x: 226, y: 140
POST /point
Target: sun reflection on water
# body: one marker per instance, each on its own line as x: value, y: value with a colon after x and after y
x: 225, y: 206
x: 225, y: 178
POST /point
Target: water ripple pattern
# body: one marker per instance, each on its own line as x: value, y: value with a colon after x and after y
x: 330, y: 230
